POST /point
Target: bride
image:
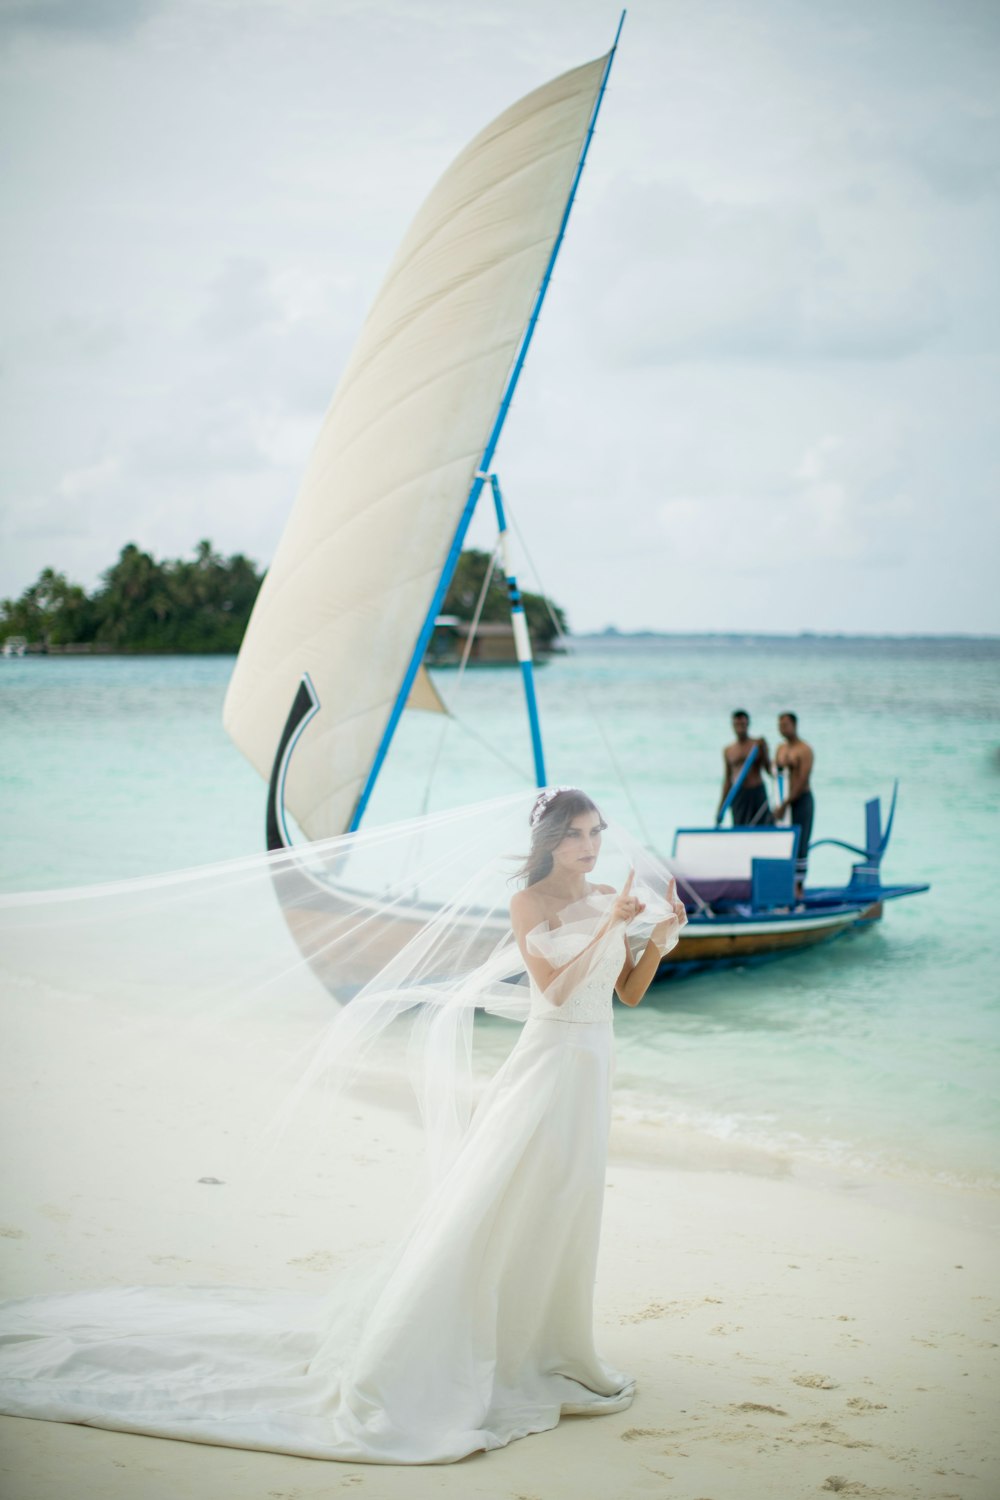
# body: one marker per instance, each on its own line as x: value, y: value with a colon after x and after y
x: 478, y: 1327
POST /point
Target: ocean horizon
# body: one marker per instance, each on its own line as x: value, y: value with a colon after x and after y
x: 612, y: 632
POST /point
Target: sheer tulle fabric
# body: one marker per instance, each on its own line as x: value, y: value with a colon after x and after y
x: 475, y: 1325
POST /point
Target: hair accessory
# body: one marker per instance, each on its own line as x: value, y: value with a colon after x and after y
x: 541, y: 806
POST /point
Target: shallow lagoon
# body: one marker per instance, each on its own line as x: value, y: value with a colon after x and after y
x: 878, y: 1051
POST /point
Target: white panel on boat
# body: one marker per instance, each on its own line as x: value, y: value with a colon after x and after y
x: 356, y: 569
x: 728, y: 855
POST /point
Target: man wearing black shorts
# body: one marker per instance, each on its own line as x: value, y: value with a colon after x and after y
x: 796, y: 758
x: 749, y: 807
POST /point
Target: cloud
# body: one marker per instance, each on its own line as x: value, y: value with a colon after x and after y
x: 843, y: 505
x: 240, y: 300
x: 87, y: 19
x: 75, y: 508
x: 761, y: 282
x: 79, y: 337
x: 79, y: 483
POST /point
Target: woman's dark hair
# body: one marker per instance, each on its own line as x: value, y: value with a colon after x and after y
x: 549, y: 826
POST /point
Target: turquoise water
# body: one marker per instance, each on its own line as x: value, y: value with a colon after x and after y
x: 879, y: 1051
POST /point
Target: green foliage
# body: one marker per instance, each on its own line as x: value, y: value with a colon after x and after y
x: 202, y: 604
x: 142, y: 605
x: 467, y: 582
x: 51, y: 610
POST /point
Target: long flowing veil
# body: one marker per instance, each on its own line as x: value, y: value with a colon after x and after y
x: 189, y: 1048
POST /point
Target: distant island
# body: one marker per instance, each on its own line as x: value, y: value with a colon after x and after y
x: 614, y: 637
x: 546, y: 620
x: 202, y: 604
x: 140, y: 604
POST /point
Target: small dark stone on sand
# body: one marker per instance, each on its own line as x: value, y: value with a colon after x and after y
x: 212, y: 1181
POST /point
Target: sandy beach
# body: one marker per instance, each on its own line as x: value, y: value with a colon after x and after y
x: 791, y: 1335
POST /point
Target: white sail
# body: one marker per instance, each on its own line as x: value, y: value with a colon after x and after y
x: 355, y: 571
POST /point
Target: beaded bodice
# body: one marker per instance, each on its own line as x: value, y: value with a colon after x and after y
x: 591, y: 1000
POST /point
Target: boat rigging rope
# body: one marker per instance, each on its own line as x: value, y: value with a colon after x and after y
x: 703, y: 906
x: 450, y: 716
x: 563, y: 641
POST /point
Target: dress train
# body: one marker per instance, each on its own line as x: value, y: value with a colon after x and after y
x: 479, y: 1331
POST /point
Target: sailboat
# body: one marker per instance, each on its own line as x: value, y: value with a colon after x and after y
x: 334, y: 650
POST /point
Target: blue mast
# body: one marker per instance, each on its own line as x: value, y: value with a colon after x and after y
x: 482, y: 471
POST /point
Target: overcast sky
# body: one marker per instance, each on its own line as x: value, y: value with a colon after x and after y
x: 764, y: 394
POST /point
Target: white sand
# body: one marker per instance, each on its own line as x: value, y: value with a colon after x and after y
x: 791, y: 1337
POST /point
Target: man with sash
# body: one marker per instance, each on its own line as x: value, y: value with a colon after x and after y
x: 749, y: 807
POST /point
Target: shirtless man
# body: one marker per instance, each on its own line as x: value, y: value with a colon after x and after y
x: 796, y: 757
x: 749, y: 806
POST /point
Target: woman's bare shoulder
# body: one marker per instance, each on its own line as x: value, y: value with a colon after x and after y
x: 525, y: 903
x: 605, y: 890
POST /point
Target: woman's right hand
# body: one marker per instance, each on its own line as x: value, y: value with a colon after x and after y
x: 627, y: 907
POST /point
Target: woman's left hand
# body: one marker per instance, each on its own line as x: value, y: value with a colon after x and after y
x: 679, y: 909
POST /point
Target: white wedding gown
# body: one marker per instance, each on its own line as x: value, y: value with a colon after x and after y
x: 480, y: 1332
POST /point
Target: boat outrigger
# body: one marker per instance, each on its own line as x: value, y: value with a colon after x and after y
x: 334, y: 650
